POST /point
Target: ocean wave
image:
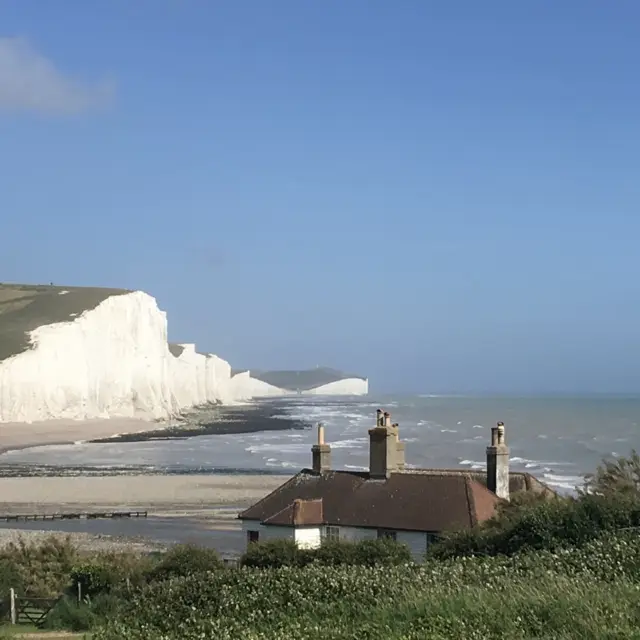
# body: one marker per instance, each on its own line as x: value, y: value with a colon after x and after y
x: 474, y: 464
x: 568, y: 483
x: 280, y: 447
x: 355, y: 443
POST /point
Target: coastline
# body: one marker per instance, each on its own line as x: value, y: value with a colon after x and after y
x: 16, y: 436
x: 255, y: 416
x: 197, y: 507
x: 181, y: 508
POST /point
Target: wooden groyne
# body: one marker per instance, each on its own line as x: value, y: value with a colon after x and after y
x: 72, y: 516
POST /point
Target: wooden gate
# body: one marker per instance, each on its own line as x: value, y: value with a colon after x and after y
x: 33, y: 610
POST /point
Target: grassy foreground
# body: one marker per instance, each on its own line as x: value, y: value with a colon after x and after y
x: 588, y: 593
x: 561, y: 569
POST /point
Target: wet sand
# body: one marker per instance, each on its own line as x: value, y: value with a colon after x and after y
x: 21, y: 435
x: 199, y: 509
x: 199, y: 496
x: 263, y: 415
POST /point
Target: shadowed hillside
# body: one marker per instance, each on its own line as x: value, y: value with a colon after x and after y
x: 302, y: 380
x: 24, y: 308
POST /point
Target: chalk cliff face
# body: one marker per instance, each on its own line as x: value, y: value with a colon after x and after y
x: 112, y: 361
x: 318, y: 381
x: 98, y: 353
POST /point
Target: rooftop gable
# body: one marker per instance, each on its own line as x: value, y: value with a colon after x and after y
x: 404, y: 501
x: 300, y: 513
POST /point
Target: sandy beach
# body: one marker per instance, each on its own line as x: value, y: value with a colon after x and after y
x: 177, y: 505
x: 20, y: 435
x: 199, y: 509
x: 198, y: 496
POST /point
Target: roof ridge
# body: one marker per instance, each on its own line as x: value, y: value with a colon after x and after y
x: 471, y: 500
x: 274, y: 492
x: 289, y: 507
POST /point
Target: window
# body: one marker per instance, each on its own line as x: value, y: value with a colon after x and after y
x: 332, y: 533
x: 431, y: 538
x: 253, y: 536
x: 386, y: 533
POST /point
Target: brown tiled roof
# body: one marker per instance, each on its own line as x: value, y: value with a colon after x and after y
x: 518, y: 480
x: 410, y: 501
x: 299, y: 513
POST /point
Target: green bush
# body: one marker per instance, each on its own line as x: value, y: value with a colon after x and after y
x: 271, y: 555
x: 107, y: 572
x: 566, y: 594
x: 39, y: 569
x: 185, y: 560
x: 551, y: 524
x: 71, y: 616
x: 284, y: 553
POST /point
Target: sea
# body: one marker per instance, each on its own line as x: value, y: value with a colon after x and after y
x: 558, y: 439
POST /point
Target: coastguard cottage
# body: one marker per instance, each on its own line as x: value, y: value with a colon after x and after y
x: 412, y: 506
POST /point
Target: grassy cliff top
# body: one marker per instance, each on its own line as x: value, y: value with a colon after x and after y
x: 25, y: 307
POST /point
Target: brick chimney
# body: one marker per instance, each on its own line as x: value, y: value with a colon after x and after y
x: 399, y: 448
x: 321, y: 453
x: 498, y: 463
x: 382, y: 448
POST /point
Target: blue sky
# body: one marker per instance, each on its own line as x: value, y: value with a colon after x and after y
x: 441, y: 195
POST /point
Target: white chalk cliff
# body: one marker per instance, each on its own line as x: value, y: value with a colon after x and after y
x: 110, y: 358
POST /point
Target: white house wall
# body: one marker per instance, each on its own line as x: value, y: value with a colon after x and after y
x: 266, y: 533
x: 311, y: 537
x: 308, y: 537
x: 415, y: 540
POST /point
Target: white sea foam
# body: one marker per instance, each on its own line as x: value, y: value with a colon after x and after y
x: 356, y: 443
x: 568, y: 483
x: 472, y: 463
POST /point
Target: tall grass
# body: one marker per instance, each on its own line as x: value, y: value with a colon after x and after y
x: 593, y: 592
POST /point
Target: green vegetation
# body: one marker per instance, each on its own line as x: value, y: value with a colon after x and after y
x: 24, y: 308
x: 561, y: 569
x: 568, y: 594
x: 368, y: 553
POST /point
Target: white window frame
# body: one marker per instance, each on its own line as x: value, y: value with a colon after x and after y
x: 331, y: 533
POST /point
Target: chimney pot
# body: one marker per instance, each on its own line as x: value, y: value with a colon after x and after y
x: 498, y: 463
x: 321, y: 453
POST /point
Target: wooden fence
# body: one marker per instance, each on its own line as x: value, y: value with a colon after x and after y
x: 25, y: 609
x: 73, y: 516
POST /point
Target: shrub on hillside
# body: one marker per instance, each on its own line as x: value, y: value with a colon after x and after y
x: 284, y: 553
x: 107, y: 572
x: 571, y: 593
x: 621, y: 475
x: 184, y: 560
x: 551, y: 524
x: 39, y: 569
x: 271, y: 555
